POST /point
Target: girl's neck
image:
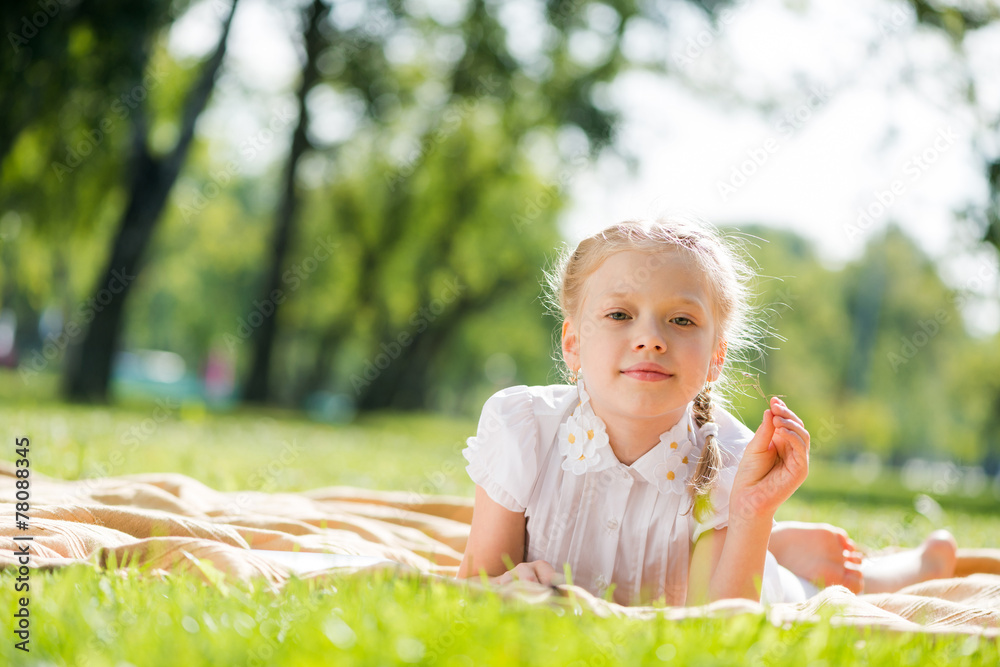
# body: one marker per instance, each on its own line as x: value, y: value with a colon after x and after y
x: 632, y: 438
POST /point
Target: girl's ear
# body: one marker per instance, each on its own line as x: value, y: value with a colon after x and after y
x: 718, y: 359
x: 571, y: 345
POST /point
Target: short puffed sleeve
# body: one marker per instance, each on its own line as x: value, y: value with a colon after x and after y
x: 504, y: 455
x: 733, y: 438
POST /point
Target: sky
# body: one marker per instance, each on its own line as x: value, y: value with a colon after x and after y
x: 823, y: 117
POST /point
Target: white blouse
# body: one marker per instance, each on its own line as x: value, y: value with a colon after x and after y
x: 631, y: 526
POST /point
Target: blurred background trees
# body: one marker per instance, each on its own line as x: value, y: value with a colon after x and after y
x: 372, y: 234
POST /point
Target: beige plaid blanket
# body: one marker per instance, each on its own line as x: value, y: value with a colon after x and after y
x: 169, y: 522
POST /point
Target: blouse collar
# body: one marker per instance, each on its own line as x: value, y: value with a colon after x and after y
x: 585, y: 447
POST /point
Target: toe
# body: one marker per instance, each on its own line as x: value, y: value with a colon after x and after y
x: 939, y: 554
x: 853, y: 556
x: 853, y: 580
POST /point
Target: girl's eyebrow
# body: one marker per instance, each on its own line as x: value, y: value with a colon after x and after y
x: 682, y: 298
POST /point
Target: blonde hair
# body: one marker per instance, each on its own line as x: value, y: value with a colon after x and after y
x: 730, y: 278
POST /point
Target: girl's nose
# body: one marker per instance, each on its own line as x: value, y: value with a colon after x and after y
x: 650, y: 338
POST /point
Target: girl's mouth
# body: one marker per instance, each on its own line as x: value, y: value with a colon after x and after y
x: 646, y: 375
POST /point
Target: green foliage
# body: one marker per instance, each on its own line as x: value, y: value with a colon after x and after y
x: 461, y: 219
x: 466, y: 199
x: 454, y: 174
x: 875, y: 356
x: 65, y: 142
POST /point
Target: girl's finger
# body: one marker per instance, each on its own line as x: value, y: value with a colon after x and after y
x: 784, y: 411
x: 764, y: 434
x: 544, y: 572
x: 785, y: 443
x: 790, y: 423
x: 793, y: 451
x: 789, y: 429
x: 794, y: 427
x: 795, y: 445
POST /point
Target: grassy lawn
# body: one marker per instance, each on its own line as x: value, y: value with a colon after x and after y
x: 82, y: 618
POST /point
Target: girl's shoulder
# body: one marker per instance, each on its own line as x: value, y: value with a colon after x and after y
x: 542, y: 401
x: 515, y: 436
x: 529, y: 414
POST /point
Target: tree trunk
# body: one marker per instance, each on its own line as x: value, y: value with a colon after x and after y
x: 257, y: 386
x: 317, y: 378
x: 404, y: 383
x: 89, y: 362
x: 866, y: 313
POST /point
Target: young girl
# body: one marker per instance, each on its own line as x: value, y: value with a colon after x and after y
x: 633, y: 476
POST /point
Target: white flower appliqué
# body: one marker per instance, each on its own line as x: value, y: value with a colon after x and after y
x: 576, y: 444
x: 674, y: 471
x: 583, y: 440
x: 672, y: 474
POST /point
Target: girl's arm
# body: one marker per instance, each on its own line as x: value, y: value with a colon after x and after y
x: 495, y: 532
x: 729, y: 563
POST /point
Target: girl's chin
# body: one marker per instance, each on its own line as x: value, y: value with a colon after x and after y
x: 647, y: 409
x: 639, y: 398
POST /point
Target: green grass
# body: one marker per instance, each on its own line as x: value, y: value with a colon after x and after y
x: 248, y: 449
x: 87, y: 620
x: 80, y: 617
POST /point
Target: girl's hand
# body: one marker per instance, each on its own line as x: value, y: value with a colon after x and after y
x: 538, y: 571
x: 774, y: 464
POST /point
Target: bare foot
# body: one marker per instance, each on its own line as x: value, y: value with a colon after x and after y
x: 818, y: 552
x: 934, y: 559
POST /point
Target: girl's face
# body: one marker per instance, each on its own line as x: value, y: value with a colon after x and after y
x: 646, y: 336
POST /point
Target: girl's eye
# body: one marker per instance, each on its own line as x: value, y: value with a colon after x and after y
x: 683, y: 321
x: 618, y: 316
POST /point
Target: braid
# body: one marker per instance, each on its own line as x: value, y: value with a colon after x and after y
x: 710, y: 462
